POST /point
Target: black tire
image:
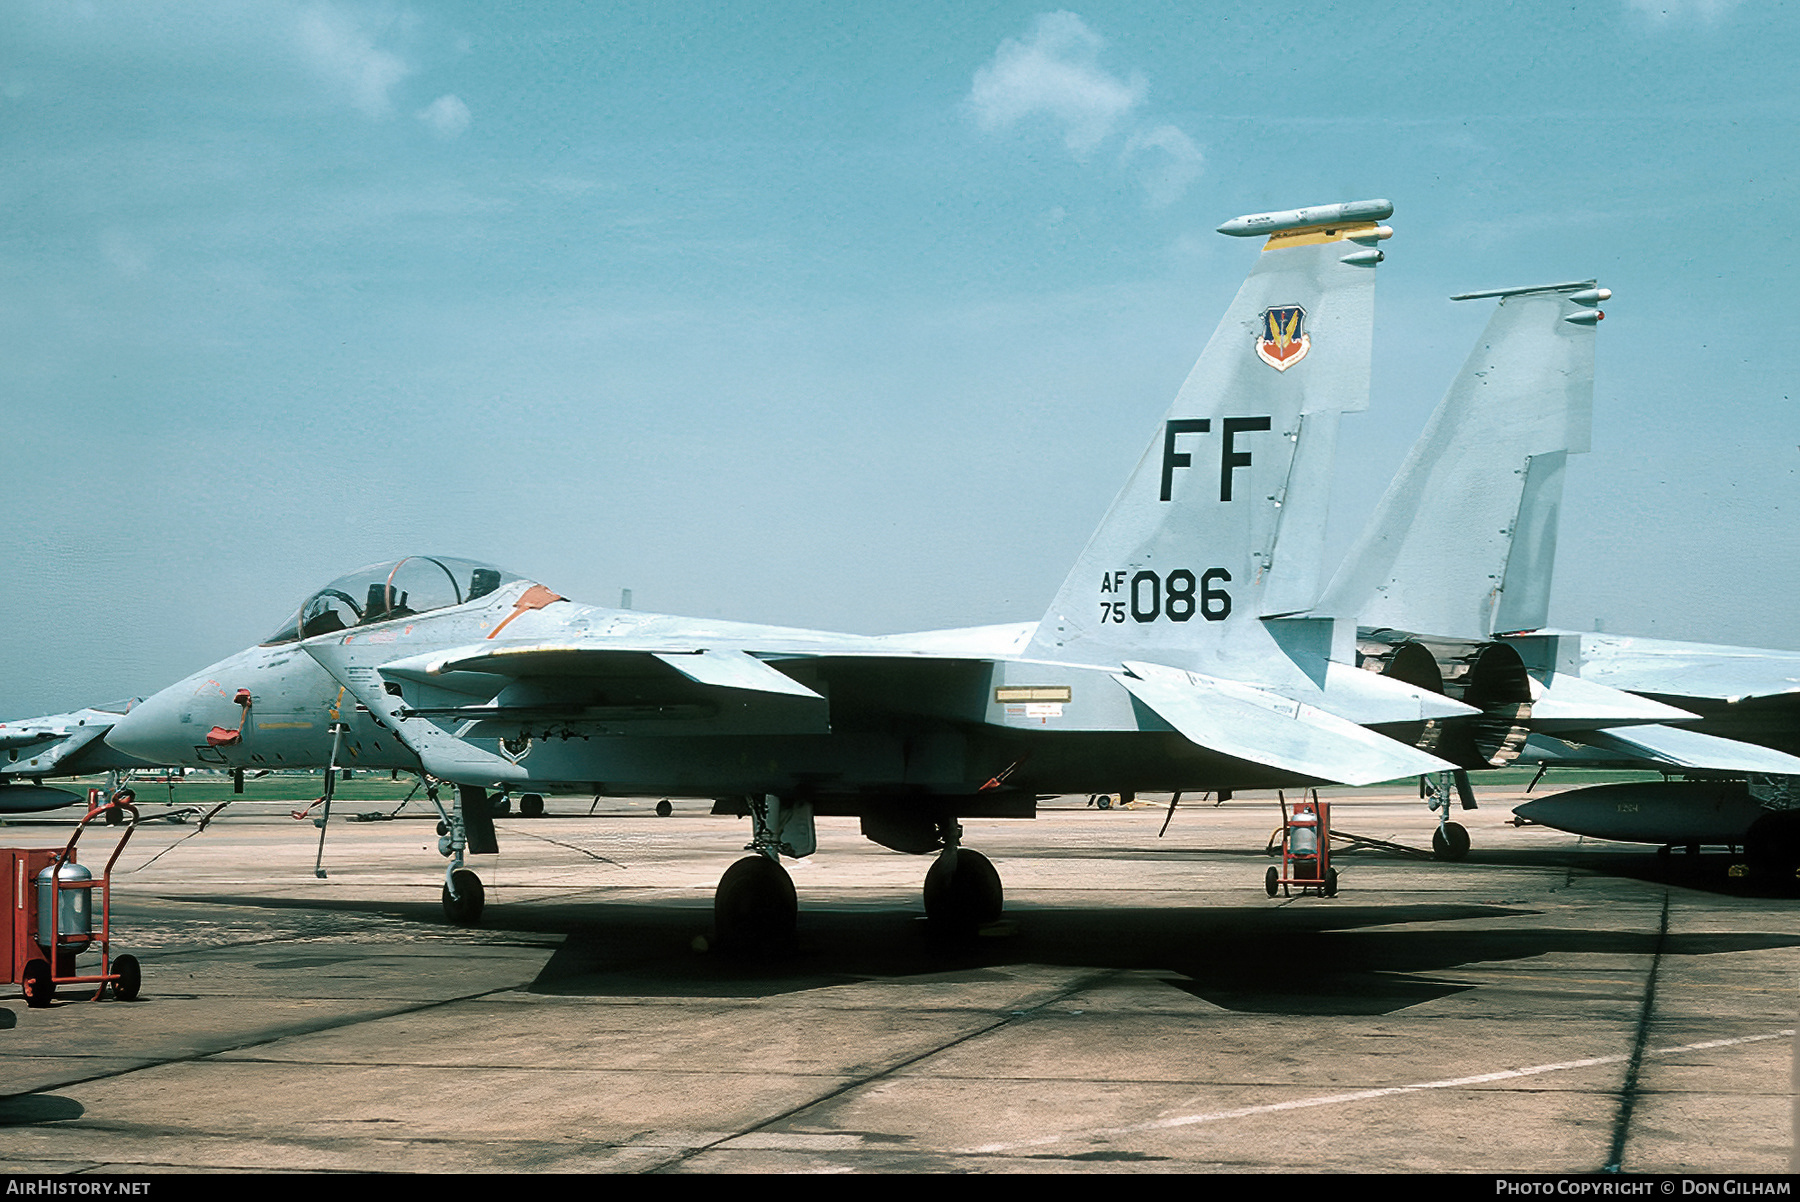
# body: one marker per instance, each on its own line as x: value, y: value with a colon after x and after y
x: 36, y: 983
x: 125, y: 989
x: 500, y: 806
x: 1272, y: 882
x: 754, y: 907
x: 464, y: 910
x: 531, y: 805
x: 114, y: 815
x: 1449, y: 842
x: 959, y: 898
x: 1104, y: 801
x: 664, y: 809
x: 1772, y: 847
x: 1331, y: 882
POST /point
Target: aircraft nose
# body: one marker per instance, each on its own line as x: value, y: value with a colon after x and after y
x: 154, y: 731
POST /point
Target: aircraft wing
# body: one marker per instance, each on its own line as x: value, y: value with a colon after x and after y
x: 720, y: 667
x: 1698, y: 670
x: 1266, y: 728
x: 60, y: 745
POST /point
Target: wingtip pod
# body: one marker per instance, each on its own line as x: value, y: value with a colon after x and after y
x: 1355, y: 212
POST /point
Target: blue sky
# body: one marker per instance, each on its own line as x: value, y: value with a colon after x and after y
x: 829, y: 317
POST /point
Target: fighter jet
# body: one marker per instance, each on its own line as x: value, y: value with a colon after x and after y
x: 1174, y: 657
x: 1449, y: 585
x: 58, y: 745
x: 1740, y: 757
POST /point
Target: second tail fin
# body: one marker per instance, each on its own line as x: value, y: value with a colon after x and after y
x: 1464, y: 540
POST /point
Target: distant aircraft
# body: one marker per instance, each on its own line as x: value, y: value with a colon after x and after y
x: 1450, y: 583
x: 1744, y: 786
x: 58, y: 745
x: 1176, y: 655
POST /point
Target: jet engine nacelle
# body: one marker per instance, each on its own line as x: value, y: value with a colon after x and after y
x: 1489, y: 676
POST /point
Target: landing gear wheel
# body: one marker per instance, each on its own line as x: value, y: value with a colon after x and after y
x: 754, y: 907
x: 125, y: 989
x: 500, y: 806
x: 1272, y: 881
x: 1449, y: 842
x: 531, y: 805
x: 464, y: 910
x: 664, y: 809
x: 1331, y: 880
x: 36, y: 984
x: 959, y: 901
x: 1772, y: 847
x: 1104, y: 801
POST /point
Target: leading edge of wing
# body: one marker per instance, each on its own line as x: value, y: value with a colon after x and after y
x: 722, y: 667
x: 1278, y: 732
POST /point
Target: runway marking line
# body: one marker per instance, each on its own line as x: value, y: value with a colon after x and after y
x: 1364, y: 1095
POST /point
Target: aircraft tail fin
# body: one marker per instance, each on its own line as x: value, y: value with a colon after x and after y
x: 1220, y: 525
x: 1463, y: 542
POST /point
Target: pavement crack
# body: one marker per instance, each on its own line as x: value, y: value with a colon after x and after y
x: 1628, y: 1092
x: 1085, y: 982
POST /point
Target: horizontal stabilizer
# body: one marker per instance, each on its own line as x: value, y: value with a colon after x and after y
x: 1266, y: 728
x: 1566, y: 702
x: 1679, y: 748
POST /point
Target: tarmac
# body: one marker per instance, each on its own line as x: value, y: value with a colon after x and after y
x: 1547, y: 1005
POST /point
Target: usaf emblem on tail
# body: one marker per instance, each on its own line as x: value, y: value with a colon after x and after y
x: 1283, y: 342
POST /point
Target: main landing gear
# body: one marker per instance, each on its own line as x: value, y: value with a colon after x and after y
x: 1450, y: 841
x: 754, y: 907
x: 962, y: 892
x: 962, y: 889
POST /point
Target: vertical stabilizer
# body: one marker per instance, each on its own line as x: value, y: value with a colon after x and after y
x: 1463, y: 542
x: 1218, y: 526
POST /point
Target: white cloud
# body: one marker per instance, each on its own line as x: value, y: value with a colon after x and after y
x: 342, y: 51
x: 1166, y: 162
x: 1055, y: 73
x: 447, y: 116
x: 1661, y: 11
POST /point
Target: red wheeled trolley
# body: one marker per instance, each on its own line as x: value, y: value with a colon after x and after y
x: 60, y: 923
x: 1305, y: 849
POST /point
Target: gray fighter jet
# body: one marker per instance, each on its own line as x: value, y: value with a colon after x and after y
x: 1174, y: 657
x: 1449, y: 587
x: 58, y: 745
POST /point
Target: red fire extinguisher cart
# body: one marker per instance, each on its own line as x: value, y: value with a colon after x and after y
x: 1305, y: 849
x: 52, y: 917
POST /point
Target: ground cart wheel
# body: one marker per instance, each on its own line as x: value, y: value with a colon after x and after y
x: 1331, y: 882
x: 37, y: 986
x: 130, y: 977
x: 1272, y: 881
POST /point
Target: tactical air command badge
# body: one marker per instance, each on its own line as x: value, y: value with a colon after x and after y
x: 1283, y: 341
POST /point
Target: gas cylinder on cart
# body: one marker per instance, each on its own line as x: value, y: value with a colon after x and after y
x: 74, y: 927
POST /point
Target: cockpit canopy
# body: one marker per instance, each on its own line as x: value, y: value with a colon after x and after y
x: 383, y: 592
